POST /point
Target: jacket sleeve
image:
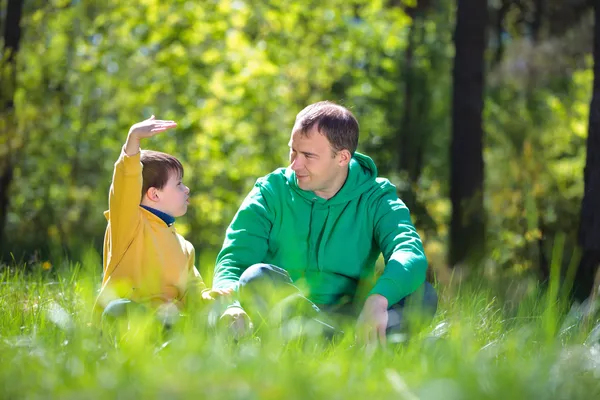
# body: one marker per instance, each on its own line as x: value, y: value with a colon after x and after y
x: 196, y: 280
x: 195, y: 284
x: 246, y: 240
x: 124, y: 201
x: 405, y: 261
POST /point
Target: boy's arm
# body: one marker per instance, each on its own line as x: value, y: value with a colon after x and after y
x: 126, y: 188
x: 124, y: 200
x: 196, y: 283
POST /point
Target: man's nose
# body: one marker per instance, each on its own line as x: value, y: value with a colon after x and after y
x: 296, y: 164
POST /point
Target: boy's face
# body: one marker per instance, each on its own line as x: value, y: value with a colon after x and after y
x: 173, y: 198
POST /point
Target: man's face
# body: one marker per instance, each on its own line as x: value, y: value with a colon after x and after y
x: 316, y: 165
x: 174, y: 196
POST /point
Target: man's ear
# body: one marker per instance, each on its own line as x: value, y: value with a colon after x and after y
x: 344, y: 157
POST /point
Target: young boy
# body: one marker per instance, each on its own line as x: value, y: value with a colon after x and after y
x: 146, y: 262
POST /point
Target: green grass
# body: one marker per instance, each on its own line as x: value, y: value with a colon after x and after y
x: 478, y: 347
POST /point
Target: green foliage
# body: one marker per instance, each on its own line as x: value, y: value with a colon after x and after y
x: 233, y: 74
x: 536, y: 154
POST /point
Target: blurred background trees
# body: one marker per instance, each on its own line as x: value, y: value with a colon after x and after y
x: 478, y: 113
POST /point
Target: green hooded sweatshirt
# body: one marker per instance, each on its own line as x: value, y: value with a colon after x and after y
x: 326, y: 246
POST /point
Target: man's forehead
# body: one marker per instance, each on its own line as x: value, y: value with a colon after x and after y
x: 313, y: 141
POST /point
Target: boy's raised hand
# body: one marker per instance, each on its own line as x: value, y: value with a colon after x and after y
x: 145, y: 129
x: 150, y: 127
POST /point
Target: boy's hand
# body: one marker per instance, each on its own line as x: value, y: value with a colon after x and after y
x: 209, y: 295
x: 150, y: 127
x: 145, y: 129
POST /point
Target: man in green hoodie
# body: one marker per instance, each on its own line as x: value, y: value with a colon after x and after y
x: 318, y: 227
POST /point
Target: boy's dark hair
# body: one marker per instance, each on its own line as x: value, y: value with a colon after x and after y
x: 337, y: 123
x: 157, y: 167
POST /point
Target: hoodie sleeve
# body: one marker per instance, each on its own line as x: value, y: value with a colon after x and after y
x: 405, y: 261
x: 246, y: 240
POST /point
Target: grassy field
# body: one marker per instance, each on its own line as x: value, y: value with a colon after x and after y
x: 478, y: 347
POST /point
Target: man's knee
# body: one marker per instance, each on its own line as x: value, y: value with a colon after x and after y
x: 263, y: 274
x: 262, y: 286
x: 430, y: 298
x: 424, y: 297
x: 418, y: 307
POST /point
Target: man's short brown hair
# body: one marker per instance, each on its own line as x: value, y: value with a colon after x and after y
x: 157, y: 167
x: 337, y: 123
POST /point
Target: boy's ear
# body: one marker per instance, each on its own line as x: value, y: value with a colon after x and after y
x: 152, y: 194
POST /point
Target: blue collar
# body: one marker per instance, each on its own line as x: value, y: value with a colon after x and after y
x: 167, y: 219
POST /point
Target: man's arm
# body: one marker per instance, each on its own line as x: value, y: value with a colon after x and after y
x: 246, y: 240
x: 246, y: 243
x: 405, y: 261
x: 405, y: 265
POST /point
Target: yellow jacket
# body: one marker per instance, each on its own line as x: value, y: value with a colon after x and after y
x: 144, y: 259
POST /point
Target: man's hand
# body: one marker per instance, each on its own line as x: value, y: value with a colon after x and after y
x: 145, y: 129
x: 372, y: 321
x: 211, y: 294
x: 238, y: 322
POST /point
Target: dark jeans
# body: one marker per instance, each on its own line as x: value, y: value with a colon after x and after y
x: 267, y: 289
x: 122, y: 310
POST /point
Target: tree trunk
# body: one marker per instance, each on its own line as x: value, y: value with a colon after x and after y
x: 538, y: 17
x: 408, y: 150
x: 500, y: 30
x: 8, y: 81
x: 589, y: 228
x: 467, y: 229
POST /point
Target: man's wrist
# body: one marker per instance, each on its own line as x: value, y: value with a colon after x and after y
x: 234, y: 311
x: 378, y: 301
x: 235, y: 308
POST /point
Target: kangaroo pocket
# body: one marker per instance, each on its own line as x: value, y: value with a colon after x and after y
x: 330, y: 288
